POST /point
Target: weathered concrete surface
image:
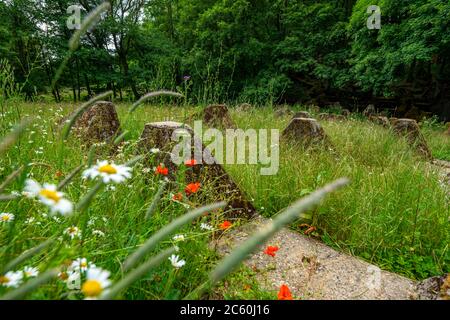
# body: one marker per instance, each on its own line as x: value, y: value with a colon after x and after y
x: 313, y: 270
x: 208, y: 173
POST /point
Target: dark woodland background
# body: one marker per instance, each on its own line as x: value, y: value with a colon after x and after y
x: 257, y: 51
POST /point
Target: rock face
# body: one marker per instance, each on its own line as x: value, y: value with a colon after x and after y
x: 302, y: 114
x: 99, y: 123
x: 380, y: 120
x: 217, y: 116
x: 369, y: 111
x: 212, y: 176
x: 331, y: 117
x: 436, y: 288
x: 313, y: 270
x: 305, y: 132
x: 410, y: 129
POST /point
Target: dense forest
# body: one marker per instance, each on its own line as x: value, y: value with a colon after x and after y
x: 257, y: 51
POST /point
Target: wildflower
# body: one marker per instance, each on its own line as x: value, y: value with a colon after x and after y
x: 108, y: 172
x: 49, y: 196
x: 192, y: 188
x: 190, y: 163
x: 80, y: 265
x: 6, y: 217
x: 284, y: 293
x: 30, y: 220
x: 73, y: 232
x: 97, y: 280
x: 11, y: 279
x: 206, y: 226
x: 270, y: 250
x: 187, y: 78
x: 162, y: 170
x: 98, y: 233
x: 225, y: 225
x: 154, y: 150
x: 177, y: 197
x: 30, y: 272
x: 178, y: 237
x: 176, y: 262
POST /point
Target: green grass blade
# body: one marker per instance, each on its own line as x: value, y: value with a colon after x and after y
x: 152, y: 95
x: 12, y: 137
x: 138, y: 273
x: 27, y: 255
x: 120, y: 138
x: 87, y: 199
x: 152, y: 242
x: 90, y: 20
x: 227, y: 265
x: 10, y: 179
x: 69, y: 178
x: 155, y: 201
x: 30, y: 286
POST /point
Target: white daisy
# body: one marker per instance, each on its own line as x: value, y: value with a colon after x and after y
x: 206, y: 226
x: 178, y: 237
x: 11, y: 279
x: 176, y: 262
x: 80, y: 265
x: 30, y: 272
x: 6, y: 217
x: 49, y: 196
x: 73, y: 232
x: 97, y: 280
x: 98, y: 233
x: 108, y: 172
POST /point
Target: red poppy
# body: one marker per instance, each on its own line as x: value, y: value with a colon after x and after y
x: 190, y: 163
x: 270, y: 250
x: 225, y: 225
x: 192, y: 188
x: 162, y: 170
x: 284, y: 293
x: 177, y: 197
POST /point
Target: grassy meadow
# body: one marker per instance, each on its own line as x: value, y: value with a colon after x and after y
x: 395, y: 212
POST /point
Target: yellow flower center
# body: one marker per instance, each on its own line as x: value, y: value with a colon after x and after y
x: 5, y: 218
x: 4, y: 279
x: 49, y: 194
x: 109, y: 169
x: 92, y: 288
x: 72, y: 230
x: 83, y: 264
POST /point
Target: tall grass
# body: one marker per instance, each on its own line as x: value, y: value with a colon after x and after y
x: 395, y: 213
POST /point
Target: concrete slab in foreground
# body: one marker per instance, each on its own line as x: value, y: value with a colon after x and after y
x: 313, y: 270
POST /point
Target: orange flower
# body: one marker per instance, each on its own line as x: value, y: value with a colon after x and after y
x: 177, y: 197
x: 162, y: 170
x: 284, y: 293
x: 225, y: 225
x: 190, y: 163
x: 192, y: 188
x: 270, y: 250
